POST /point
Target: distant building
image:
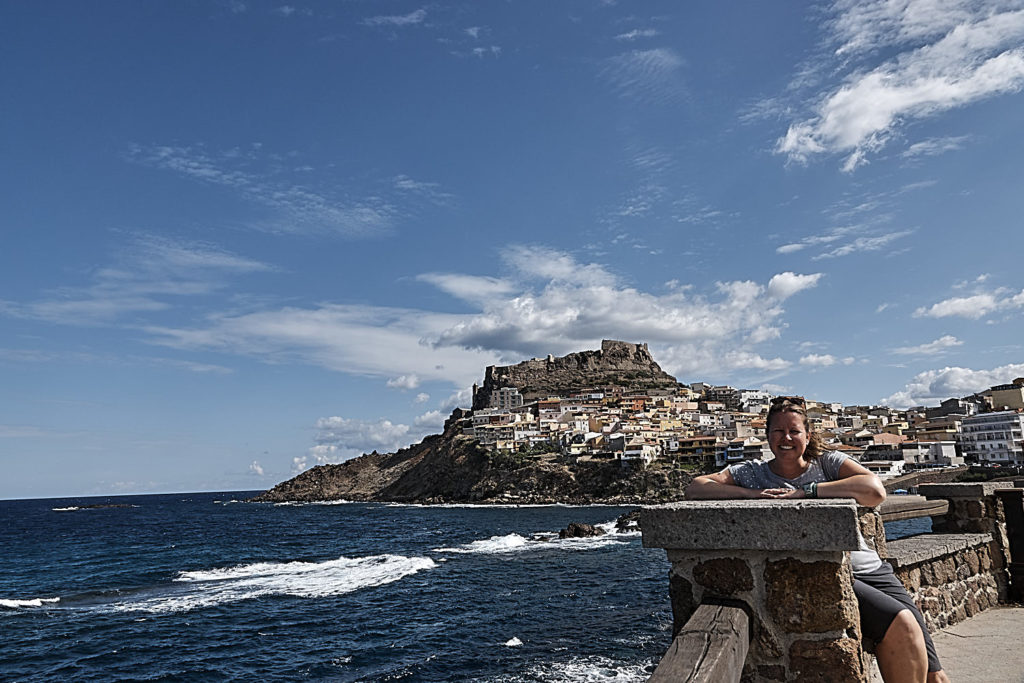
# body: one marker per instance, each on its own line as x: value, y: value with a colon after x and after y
x: 506, y: 398
x: 993, y: 438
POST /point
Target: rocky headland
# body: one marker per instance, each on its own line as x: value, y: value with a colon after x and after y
x: 452, y: 468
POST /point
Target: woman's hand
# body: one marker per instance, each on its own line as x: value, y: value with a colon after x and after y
x: 782, y: 493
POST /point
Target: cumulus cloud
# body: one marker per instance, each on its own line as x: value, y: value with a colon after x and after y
x: 785, y: 285
x: 932, y: 348
x: 338, y: 439
x: 433, y: 419
x: 422, y: 397
x: 256, y: 468
x: 973, y: 307
x: 818, y: 360
x: 574, y: 305
x: 936, y: 56
x: 933, y: 386
x: 404, y: 382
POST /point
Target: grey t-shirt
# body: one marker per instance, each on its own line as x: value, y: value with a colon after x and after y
x: 755, y: 474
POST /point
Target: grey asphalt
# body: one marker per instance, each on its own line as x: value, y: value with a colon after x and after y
x: 988, y: 647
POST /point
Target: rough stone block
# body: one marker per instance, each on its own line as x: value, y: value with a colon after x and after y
x: 810, y: 597
x: 973, y: 490
x: 825, y: 661
x: 771, y: 672
x: 724, y: 576
x: 680, y: 593
x: 828, y: 524
x: 972, y: 561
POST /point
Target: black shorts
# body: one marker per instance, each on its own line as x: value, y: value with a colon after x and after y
x: 880, y: 597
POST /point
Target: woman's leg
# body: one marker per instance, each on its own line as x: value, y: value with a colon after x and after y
x: 901, y: 654
x: 881, y: 604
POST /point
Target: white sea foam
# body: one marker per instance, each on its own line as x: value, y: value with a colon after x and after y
x: 513, y: 642
x: 301, y: 503
x: 611, y: 529
x: 34, y: 602
x: 209, y: 587
x: 594, y: 669
x: 494, y: 544
x: 512, y: 543
x: 69, y: 509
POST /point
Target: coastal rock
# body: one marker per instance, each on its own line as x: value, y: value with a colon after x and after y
x: 580, y: 530
x: 628, y: 521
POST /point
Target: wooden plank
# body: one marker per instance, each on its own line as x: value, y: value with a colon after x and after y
x: 710, y: 648
x: 896, y: 508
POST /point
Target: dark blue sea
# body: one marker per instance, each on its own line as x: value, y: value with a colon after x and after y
x: 202, y: 587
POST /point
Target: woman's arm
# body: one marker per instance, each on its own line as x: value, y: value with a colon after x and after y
x: 718, y: 486
x: 856, y: 482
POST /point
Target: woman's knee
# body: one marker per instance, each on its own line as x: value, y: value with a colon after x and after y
x: 905, y: 629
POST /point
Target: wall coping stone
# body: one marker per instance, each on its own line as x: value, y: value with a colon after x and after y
x: 818, y: 525
x: 976, y: 490
x: 924, y: 547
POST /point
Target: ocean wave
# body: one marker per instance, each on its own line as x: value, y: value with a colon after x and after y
x: 209, y: 587
x: 302, y: 503
x: 511, y: 543
x: 494, y: 544
x: 593, y: 669
x: 33, y: 602
x: 67, y: 509
x: 611, y: 529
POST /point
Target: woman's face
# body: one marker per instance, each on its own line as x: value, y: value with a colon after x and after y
x: 787, y: 436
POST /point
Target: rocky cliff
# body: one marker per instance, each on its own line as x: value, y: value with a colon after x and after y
x: 449, y: 467
x: 616, y: 363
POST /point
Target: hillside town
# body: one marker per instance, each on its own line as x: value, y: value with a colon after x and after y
x: 701, y: 427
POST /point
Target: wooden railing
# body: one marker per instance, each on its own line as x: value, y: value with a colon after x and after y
x: 710, y: 648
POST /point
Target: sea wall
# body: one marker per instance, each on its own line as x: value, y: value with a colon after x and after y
x: 786, y: 563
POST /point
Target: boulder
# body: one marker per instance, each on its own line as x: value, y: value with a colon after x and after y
x: 578, y: 530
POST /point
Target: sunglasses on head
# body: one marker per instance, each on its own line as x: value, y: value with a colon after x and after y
x: 782, y: 400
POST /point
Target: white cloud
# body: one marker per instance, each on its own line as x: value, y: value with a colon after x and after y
x: 295, y: 208
x: 932, y: 348
x: 422, y: 397
x: 818, y: 360
x: 934, y: 386
x: 935, y: 146
x: 433, y: 420
x: 473, y: 31
x: 548, y: 302
x: 256, y: 468
x: 947, y: 55
x: 862, y: 244
x: 650, y: 76
x: 410, y: 381
x: 338, y: 439
x: 410, y: 19
x: 148, y: 274
x: 286, y: 10
x: 785, y: 285
x: 973, y: 307
x: 637, y: 33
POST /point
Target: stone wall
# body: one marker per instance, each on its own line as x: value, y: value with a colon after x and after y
x: 786, y: 561
x: 951, y: 577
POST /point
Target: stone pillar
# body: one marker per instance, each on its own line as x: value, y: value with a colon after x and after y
x: 786, y: 561
x: 975, y: 508
x: 1012, y: 501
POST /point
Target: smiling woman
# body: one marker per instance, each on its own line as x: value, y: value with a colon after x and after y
x: 800, y: 469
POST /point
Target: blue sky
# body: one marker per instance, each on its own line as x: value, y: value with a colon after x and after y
x: 243, y: 238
